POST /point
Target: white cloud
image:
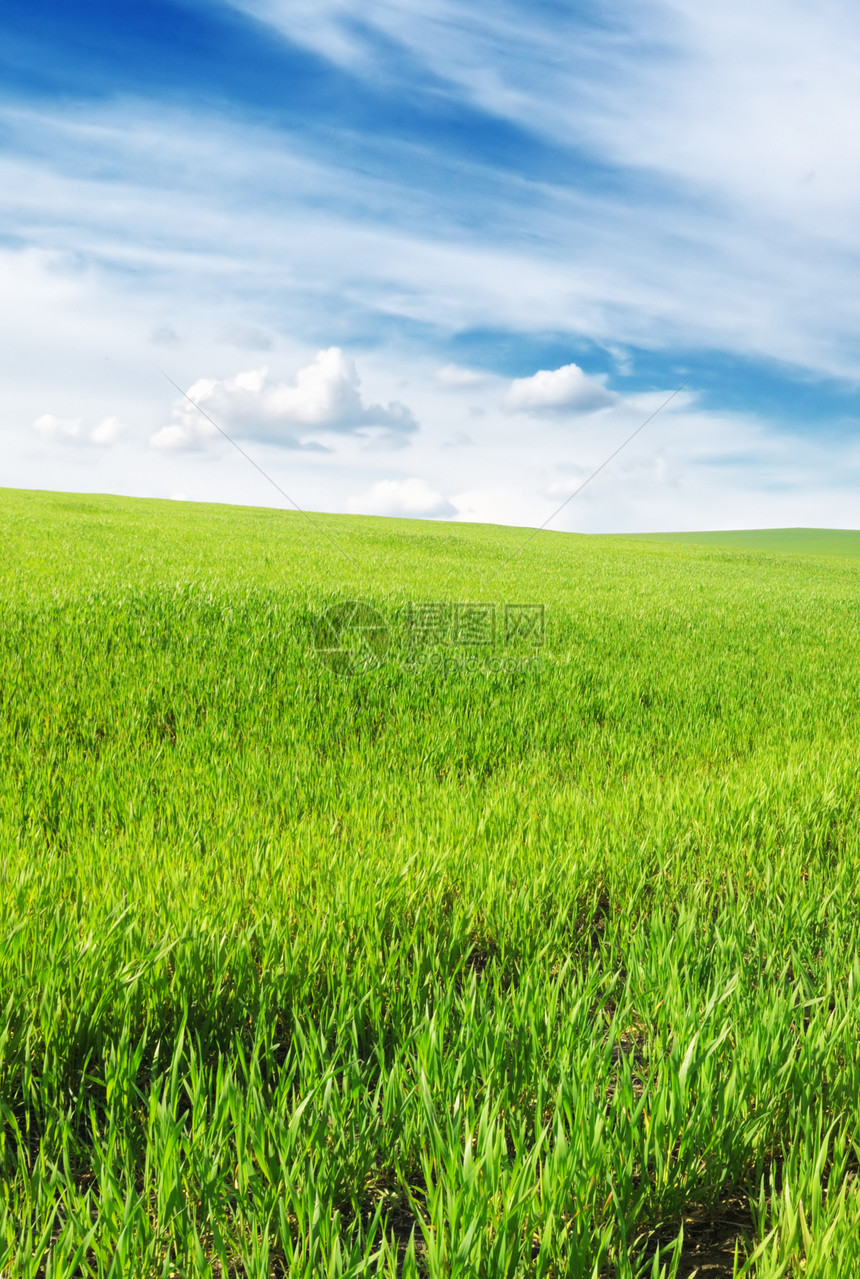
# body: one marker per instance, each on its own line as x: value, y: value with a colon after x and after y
x: 456, y: 376
x: 325, y: 398
x: 730, y: 222
x: 57, y: 428
x: 753, y: 103
x: 178, y: 437
x: 668, y: 264
x: 50, y: 427
x: 558, y: 389
x: 499, y: 504
x: 730, y: 130
x: 108, y: 431
x: 691, y: 468
x: 406, y: 498
x: 758, y: 101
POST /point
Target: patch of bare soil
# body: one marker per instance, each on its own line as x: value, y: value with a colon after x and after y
x: 711, y: 1236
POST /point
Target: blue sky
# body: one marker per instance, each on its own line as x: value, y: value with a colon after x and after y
x: 437, y: 258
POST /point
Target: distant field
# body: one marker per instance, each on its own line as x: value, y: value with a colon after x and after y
x: 503, y: 923
x: 787, y: 541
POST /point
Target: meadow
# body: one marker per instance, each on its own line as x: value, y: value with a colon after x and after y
x: 844, y: 542
x: 504, y: 959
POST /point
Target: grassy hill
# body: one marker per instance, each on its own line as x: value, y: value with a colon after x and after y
x: 504, y: 922
x: 778, y: 541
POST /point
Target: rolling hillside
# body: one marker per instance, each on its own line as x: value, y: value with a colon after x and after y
x: 394, y: 898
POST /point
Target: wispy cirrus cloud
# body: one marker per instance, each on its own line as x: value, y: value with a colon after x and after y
x: 713, y: 189
x: 660, y: 269
x: 755, y: 102
x: 512, y: 215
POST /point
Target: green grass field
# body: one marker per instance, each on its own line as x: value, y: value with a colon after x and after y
x: 512, y: 959
x: 778, y: 541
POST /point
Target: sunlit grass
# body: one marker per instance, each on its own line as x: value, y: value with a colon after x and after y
x: 428, y: 971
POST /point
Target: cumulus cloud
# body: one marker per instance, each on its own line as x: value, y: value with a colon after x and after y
x: 190, y: 435
x: 411, y: 497
x: 325, y: 398
x: 107, y: 431
x: 567, y: 388
x: 50, y: 427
